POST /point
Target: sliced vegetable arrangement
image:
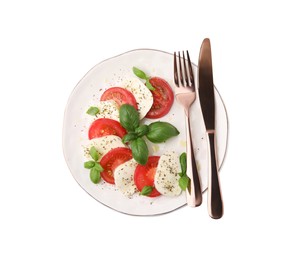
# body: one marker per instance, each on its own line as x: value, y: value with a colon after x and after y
x: 118, y: 151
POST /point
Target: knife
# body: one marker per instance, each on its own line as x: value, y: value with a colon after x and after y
x: 207, y: 101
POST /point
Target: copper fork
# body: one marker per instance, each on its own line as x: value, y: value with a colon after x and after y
x: 185, y: 94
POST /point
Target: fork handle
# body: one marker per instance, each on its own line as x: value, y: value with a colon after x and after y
x: 194, y: 193
x: 215, y: 202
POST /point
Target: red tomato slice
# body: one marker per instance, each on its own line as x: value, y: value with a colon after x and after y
x: 120, y: 96
x: 113, y: 159
x: 144, y: 175
x: 163, y: 98
x: 105, y: 126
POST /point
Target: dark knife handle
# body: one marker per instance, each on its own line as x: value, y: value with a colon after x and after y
x: 215, y: 202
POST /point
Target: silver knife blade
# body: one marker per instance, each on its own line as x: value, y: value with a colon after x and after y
x: 207, y: 101
x: 206, y: 85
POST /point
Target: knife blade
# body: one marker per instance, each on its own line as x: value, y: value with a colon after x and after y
x: 207, y: 102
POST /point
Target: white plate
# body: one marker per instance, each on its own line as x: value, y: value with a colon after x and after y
x: 112, y: 72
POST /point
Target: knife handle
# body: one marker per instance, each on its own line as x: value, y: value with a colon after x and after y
x: 215, y: 202
x: 193, y: 192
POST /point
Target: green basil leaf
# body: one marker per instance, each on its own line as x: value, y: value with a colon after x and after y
x: 180, y: 174
x: 139, y: 73
x: 129, y: 137
x: 149, y: 86
x: 159, y: 132
x: 93, y: 111
x: 129, y: 117
x: 94, y: 154
x: 146, y: 190
x: 183, y: 182
x: 142, y: 130
x: 139, y: 151
x: 183, y: 163
x: 98, y: 167
x: 95, y: 175
x: 89, y: 164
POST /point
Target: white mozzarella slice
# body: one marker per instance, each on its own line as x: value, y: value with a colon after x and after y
x: 141, y: 93
x: 166, y: 179
x: 124, y: 177
x: 104, y: 144
x: 107, y: 109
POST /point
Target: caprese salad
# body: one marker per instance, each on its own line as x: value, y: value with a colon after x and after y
x: 118, y: 152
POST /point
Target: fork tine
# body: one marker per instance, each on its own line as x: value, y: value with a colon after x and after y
x: 190, y: 69
x: 185, y: 70
x: 175, y: 70
x: 180, y: 68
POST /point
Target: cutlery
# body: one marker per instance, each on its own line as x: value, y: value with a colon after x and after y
x: 207, y: 101
x: 185, y: 94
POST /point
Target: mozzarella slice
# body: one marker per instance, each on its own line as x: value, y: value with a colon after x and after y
x: 166, y: 179
x: 141, y: 93
x: 104, y: 144
x: 107, y: 109
x: 124, y: 177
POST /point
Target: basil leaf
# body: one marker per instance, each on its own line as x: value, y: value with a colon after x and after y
x: 98, y: 167
x: 139, y: 73
x: 89, y: 164
x: 93, y: 111
x: 146, y: 190
x: 142, y: 130
x: 129, y: 137
x: 161, y: 131
x: 94, y: 154
x: 180, y: 174
x: 95, y: 175
x: 149, y: 86
x: 139, y: 150
x: 183, y: 163
x: 183, y: 182
x: 129, y: 117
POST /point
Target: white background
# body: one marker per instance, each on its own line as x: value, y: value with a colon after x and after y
x: 48, y: 46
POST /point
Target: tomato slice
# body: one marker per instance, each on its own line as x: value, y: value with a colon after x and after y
x: 120, y: 96
x: 163, y: 98
x: 105, y: 126
x: 113, y: 159
x: 144, y: 175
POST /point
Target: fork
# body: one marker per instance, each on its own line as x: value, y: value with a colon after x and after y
x: 185, y: 95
